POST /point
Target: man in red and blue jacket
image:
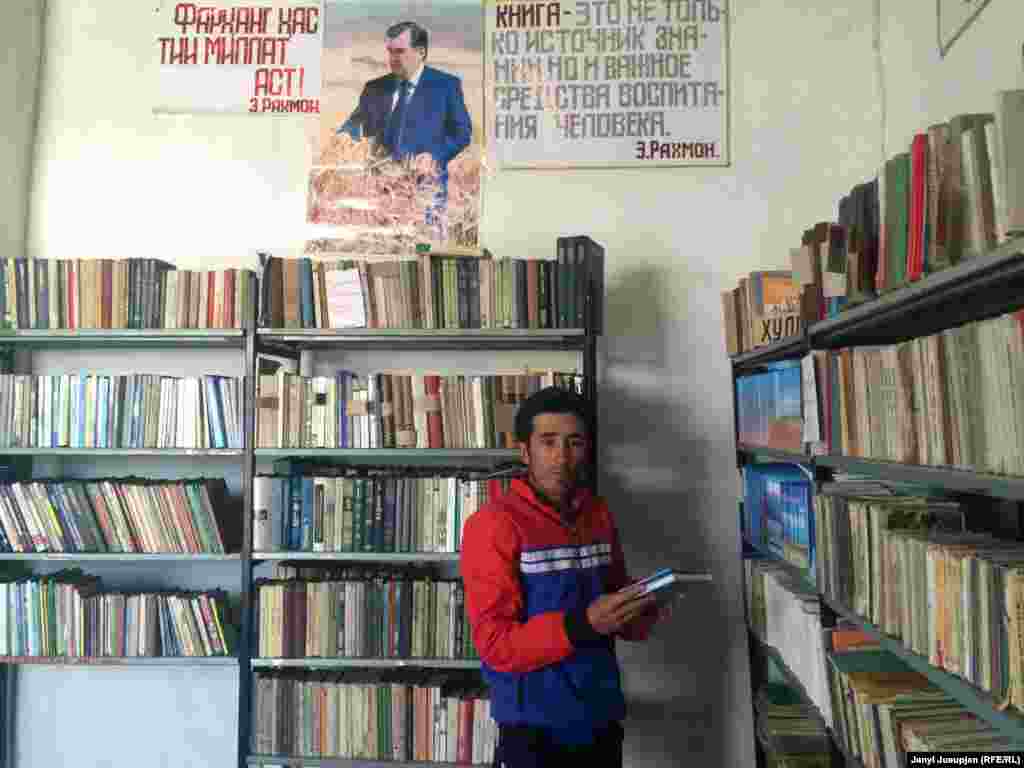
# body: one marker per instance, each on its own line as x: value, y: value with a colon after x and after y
x: 544, y: 574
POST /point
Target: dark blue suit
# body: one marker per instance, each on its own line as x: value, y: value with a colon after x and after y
x: 436, y: 120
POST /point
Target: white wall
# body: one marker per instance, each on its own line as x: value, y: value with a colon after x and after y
x: 807, y: 115
x: 21, y: 39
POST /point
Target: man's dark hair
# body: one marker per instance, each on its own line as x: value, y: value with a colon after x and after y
x: 418, y: 37
x: 550, y: 400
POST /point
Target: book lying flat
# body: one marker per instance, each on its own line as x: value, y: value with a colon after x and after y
x: 668, y: 582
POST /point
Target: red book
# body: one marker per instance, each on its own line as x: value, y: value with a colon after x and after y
x: 419, y: 716
x: 211, y: 300
x: 465, y: 743
x: 107, y: 290
x: 918, y: 180
x: 229, y: 298
x: 435, y: 423
x: 72, y: 292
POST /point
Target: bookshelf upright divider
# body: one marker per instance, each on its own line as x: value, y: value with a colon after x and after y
x: 292, y: 342
x: 973, y: 290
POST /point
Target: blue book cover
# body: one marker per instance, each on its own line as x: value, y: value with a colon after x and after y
x: 83, y: 381
x: 390, y: 511
x: 214, y: 413
x: 308, y: 509
x: 102, y: 386
x: 126, y: 413
x: 294, y: 528
x: 42, y: 294
x: 306, y: 284
x: 70, y: 535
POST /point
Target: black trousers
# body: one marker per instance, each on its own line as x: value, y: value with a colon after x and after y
x: 522, y: 746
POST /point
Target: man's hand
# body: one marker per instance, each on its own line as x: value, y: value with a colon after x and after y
x: 610, y: 613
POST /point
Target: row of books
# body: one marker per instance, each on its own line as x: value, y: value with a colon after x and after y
x: 790, y: 729
x: 876, y: 706
x: 784, y: 612
x: 383, y: 616
x: 136, y: 293
x: 125, y: 411
x: 954, y: 398
x: 768, y: 407
x: 67, y: 615
x: 951, y: 596
x: 365, y: 512
x: 955, y: 194
x: 883, y: 710
x: 117, y: 515
x: 439, y: 291
x: 395, y: 410
x: 312, y: 717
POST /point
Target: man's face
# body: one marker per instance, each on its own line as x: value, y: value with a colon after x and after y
x: 403, y: 59
x: 555, y: 454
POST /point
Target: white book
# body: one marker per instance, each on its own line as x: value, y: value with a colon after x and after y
x: 997, y: 181
x: 262, y: 522
x: 53, y: 280
x: 419, y: 398
x: 345, y: 305
x: 1010, y: 121
x: 171, y: 299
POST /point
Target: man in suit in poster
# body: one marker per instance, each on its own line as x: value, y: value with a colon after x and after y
x: 415, y: 112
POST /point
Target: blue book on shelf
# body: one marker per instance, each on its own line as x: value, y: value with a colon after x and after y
x: 214, y: 412
x: 308, y: 511
x: 278, y: 518
x: 293, y: 527
x: 83, y: 381
x: 306, y: 272
x: 103, y: 392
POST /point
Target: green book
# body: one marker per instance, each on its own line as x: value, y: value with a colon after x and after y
x: 897, y: 211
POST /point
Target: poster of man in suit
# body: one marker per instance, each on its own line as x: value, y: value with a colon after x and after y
x: 398, y: 151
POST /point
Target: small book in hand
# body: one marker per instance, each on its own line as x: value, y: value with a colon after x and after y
x: 666, y: 583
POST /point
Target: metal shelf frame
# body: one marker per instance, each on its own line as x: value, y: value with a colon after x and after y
x: 359, y: 557
x: 294, y: 761
x: 124, y: 557
x: 249, y: 342
x: 974, y: 289
x: 485, y: 339
x: 318, y: 663
x: 795, y: 682
x: 124, y: 337
x: 122, y: 661
x: 977, y: 701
